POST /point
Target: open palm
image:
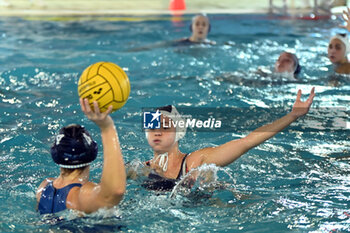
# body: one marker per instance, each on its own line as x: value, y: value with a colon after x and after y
x: 300, y: 108
x: 346, y: 17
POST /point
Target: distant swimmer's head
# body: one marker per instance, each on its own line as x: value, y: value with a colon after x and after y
x: 200, y: 27
x: 170, y: 132
x: 73, y: 147
x: 287, y: 63
x: 338, y: 48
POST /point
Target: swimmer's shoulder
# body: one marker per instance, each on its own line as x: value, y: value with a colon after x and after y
x: 188, y: 41
x: 80, y: 196
x: 183, y: 41
x: 42, y: 186
x: 197, y: 158
x: 343, y: 69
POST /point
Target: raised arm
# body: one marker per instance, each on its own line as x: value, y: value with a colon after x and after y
x: 111, y: 188
x: 346, y: 17
x: 230, y: 151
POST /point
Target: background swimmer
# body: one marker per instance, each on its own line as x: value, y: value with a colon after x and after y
x: 73, y: 151
x: 286, y: 69
x: 169, y: 164
x: 200, y: 27
x: 287, y: 63
x: 339, y: 48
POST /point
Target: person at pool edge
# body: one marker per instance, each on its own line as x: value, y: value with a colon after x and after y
x: 74, y: 150
x: 169, y: 164
x: 200, y: 27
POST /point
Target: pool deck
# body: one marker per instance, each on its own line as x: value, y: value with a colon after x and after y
x: 117, y: 7
x: 125, y: 7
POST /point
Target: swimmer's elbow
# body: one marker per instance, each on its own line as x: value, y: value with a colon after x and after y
x: 116, y: 200
x: 112, y: 195
x: 246, y: 144
x: 113, y: 198
x: 117, y: 192
x: 120, y: 191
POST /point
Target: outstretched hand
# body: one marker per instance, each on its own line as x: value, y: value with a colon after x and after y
x: 300, y: 108
x: 103, y: 120
x: 346, y: 17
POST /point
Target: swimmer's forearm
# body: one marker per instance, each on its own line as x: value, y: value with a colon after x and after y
x: 265, y: 132
x: 113, y: 180
x: 234, y: 149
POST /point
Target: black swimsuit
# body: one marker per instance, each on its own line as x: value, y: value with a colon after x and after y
x: 183, y: 42
x: 188, y: 42
x: 159, y: 183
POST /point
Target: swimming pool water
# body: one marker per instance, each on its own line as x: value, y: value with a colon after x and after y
x: 297, y: 181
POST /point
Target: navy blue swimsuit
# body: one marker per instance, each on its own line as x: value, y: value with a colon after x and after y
x: 159, y: 183
x: 53, y: 200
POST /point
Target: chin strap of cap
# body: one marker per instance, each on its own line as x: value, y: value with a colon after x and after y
x: 175, y: 116
x: 163, y: 161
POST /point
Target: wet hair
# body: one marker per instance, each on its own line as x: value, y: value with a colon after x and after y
x: 67, y: 171
x: 297, y: 66
x: 167, y: 108
x: 194, y: 17
x: 297, y: 70
x: 73, y: 147
x: 171, y: 112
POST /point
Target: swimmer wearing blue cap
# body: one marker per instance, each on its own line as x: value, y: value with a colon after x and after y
x: 169, y: 164
x: 200, y: 28
x: 73, y: 151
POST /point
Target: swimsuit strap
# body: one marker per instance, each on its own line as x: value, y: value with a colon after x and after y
x: 183, y: 169
x: 53, y: 200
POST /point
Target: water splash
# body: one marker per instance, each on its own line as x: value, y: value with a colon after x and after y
x: 204, y: 179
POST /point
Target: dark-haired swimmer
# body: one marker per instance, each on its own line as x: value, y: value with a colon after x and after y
x: 74, y: 150
x: 286, y: 67
x: 169, y: 164
x: 200, y: 27
x: 288, y: 63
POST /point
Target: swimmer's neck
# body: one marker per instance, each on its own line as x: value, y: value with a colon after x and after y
x: 76, y: 176
x: 344, y: 61
x: 342, y: 67
x: 174, y: 154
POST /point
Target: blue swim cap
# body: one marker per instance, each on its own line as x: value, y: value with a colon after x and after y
x: 73, y: 147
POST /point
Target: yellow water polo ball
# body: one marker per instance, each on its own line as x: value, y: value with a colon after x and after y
x: 106, y: 83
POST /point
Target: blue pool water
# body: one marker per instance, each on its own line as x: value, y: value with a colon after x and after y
x: 298, y: 181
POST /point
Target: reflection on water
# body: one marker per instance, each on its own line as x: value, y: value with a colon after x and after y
x: 296, y: 181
